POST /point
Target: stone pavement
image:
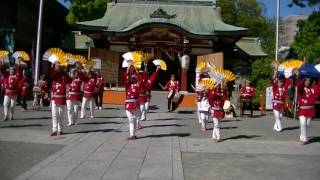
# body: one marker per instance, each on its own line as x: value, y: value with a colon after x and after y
x: 170, y: 146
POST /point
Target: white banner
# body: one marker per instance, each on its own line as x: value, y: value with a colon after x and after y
x: 269, y: 96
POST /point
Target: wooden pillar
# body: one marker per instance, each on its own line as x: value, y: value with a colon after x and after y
x: 184, y: 80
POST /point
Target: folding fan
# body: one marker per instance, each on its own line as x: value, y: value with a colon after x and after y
x: 4, y: 56
x: 89, y: 64
x: 47, y: 56
x: 80, y: 59
x: 70, y: 58
x: 135, y: 57
x: 21, y: 54
x: 161, y: 63
x: 207, y: 83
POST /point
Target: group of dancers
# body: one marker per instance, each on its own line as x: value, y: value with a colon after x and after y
x: 73, y: 88
x: 308, y: 92
x: 211, y: 100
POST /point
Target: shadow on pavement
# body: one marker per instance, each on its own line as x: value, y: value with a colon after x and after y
x: 111, y: 108
x: 110, y: 117
x: 164, y: 119
x: 21, y: 126
x: 37, y: 118
x: 290, y: 128
x: 233, y: 127
x: 166, y: 135
x: 153, y: 107
x: 109, y: 122
x: 314, y: 139
x: 186, y: 112
x: 92, y: 131
x: 241, y: 137
x: 227, y: 120
x: 164, y: 125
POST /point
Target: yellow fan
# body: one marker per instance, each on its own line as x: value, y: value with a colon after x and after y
x: 201, y: 64
x: 70, y: 58
x: 3, y: 53
x: 207, y: 83
x: 161, y: 63
x: 62, y: 59
x: 145, y: 56
x: 293, y: 63
x: 4, y: 56
x: 81, y: 59
x: 225, y: 74
x: 135, y: 56
x: 229, y: 75
x: 51, y: 54
x: 89, y: 64
x: 21, y: 54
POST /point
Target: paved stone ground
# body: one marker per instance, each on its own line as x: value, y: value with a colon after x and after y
x: 171, y: 146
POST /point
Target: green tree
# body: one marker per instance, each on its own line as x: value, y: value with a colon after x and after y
x: 244, y: 13
x: 249, y: 14
x: 303, y: 3
x: 84, y: 10
x: 307, y: 41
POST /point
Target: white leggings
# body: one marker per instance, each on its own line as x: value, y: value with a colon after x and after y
x: 57, y: 117
x: 72, y: 111
x: 304, y: 123
x: 91, y: 102
x: 9, y: 104
x: 204, y: 118
x: 144, y: 108
x: 198, y: 112
x: 132, y: 118
x: 216, y: 129
x: 278, y: 116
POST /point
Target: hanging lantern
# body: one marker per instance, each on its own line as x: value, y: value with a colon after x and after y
x: 185, y: 62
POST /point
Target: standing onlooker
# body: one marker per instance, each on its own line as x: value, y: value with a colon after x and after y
x: 100, y: 89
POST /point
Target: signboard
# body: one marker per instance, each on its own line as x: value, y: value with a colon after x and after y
x: 269, y: 96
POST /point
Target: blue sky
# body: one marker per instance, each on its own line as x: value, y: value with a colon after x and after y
x: 284, y: 9
x: 271, y: 8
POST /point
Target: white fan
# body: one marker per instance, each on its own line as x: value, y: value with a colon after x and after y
x: 125, y: 63
x: 317, y: 67
x: 53, y: 58
x: 288, y: 72
x: 127, y: 56
x: 161, y: 63
x: 217, y: 77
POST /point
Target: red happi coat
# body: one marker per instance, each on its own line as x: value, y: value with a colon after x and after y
x: 132, y: 93
x: 89, y: 88
x: 307, y: 97
x: 24, y: 86
x: 217, y: 96
x: 43, y: 85
x: 100, y: 84
x: 247, y: 92
x: 150, y: 84
x: 143, y: 87
x: 59, y: 86
x: 172, y: 85
x: 279, y: 94
x: 11, y: 85
x: 200, y: 93
x: 74, y: 89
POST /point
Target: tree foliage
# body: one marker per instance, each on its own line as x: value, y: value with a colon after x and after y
x: 244, y: 13
x: 307, y: 41
x: 84, y: 10
x: 249, y: 14
x: 303, y: 3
